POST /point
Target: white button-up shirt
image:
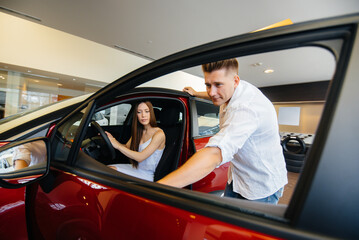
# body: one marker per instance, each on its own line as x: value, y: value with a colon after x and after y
x: 32, y: 153
x: 249, y: 139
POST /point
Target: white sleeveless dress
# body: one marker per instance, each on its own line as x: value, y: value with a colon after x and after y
x: 146, y: 168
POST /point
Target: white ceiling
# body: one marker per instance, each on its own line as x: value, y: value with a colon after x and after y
x: 157, y: 28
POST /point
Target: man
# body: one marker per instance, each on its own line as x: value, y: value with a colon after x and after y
x: 248, y: 139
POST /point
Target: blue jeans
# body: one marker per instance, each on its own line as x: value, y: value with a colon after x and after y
x: 272, y: 199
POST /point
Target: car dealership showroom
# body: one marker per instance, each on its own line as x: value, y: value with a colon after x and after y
x: 179, y: 119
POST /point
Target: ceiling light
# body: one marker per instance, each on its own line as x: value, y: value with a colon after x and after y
x: 36, y: 81
x: 257, y: 64
x: 94, y: 85
x: 59, y: 84
x: 268, y: 71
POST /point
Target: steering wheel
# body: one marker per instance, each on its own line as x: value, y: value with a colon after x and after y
x: 105, y: 138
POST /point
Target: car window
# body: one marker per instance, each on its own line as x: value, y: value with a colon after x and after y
x: 65, y: 135
x: 290, y: 79
x: 208, y: 118
x: 113, y: 116
x: 99, y: 117
x: 294, y: 90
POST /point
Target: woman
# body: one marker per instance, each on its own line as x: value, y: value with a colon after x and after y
x: 146, y: 145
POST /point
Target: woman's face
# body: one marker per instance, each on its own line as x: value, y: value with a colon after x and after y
x: 143, y: 114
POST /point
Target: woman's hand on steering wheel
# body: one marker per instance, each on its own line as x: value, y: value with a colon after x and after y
x: 105, y: 138
x: 113, y: 141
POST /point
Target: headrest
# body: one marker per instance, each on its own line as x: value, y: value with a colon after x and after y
x: 157, y: 114
x: 169, y: 116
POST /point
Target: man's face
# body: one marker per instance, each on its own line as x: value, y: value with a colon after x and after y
x: 220, y: 85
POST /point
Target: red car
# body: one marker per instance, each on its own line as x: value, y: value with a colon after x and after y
x: 74, y: 195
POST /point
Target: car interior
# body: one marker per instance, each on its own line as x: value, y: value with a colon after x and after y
x: 169, y: 117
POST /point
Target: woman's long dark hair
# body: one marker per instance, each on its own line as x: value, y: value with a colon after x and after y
x: 137, y: 129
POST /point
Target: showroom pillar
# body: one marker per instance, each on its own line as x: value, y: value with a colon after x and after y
x: 12, y: 93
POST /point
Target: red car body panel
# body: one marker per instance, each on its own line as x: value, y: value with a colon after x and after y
x: 81, y: 209
x: 186, y: 150
x: 200, y: 143
x: 12, y: 212
x: 217, y: 179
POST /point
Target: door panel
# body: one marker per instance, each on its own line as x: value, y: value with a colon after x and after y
x: 81, y: 209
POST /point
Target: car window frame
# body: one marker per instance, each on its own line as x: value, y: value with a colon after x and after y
x: 274, y: 39
x: 85, y: 120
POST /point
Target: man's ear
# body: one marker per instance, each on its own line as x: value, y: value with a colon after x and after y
x: 236, y: 80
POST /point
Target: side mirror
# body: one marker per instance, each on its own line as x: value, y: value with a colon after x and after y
x: 24, y: 162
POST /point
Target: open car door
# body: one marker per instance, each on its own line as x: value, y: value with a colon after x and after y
x: 82, y: 198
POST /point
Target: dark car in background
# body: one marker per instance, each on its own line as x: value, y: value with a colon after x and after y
x: 74, y: 195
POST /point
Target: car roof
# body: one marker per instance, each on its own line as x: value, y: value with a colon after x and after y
x: 158, y: 90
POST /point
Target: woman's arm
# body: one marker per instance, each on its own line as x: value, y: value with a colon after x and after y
x: 157, y: 140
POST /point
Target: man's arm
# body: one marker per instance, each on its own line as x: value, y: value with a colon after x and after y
x: 19, y: 164
x: 197, y: 167
x: 194, y: 93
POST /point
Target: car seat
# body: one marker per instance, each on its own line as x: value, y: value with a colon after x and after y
x: 169, y: 122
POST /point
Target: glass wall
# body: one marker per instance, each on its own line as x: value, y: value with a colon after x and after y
x: 23, y: 91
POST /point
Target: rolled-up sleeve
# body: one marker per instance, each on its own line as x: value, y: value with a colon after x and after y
x: 22, y: 152
x: 238, y: 125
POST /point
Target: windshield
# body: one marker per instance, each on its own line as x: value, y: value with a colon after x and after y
x: 21, y: 114
x: 58, y: 105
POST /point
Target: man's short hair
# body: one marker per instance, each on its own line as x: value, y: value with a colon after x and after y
x: 228, y: 64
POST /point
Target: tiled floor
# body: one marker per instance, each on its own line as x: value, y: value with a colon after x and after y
x: 289, y: 188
